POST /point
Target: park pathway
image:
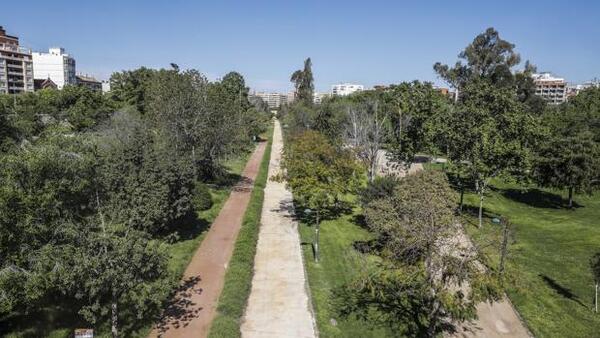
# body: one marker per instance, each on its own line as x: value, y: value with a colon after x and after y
x: 279, y: 305
x: 192, y: 309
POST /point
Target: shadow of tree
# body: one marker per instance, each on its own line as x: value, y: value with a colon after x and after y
x: 42, y: 321
x: 537, y: 198
x: 180, y: 310
x: 561, y: 290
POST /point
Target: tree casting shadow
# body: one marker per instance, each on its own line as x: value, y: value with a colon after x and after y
x: 537, y: 198
x: 180, y: 310
x: 561, y: 290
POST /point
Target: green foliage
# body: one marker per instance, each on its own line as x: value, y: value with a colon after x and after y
x: 380, y: 187
x: 131, y: 87
x: 304, y: 83
x: 418, y: 115
x: 201, y: 197
x: 419, y: 286
x: 317, y: 172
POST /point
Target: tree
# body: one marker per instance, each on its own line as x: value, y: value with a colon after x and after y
x: 416, y: 115
x: 144, y: 184
x: 489, y: 133
x: 366, y: 132
x: 427, y: 279
x: 568, y: 162
x: 304, y: 83
x: 130, y: 87
x: 595, y: 267
x: 318, y: 174
x: 488, y: 56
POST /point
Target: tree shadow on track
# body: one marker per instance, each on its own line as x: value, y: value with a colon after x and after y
x: 180, y: 309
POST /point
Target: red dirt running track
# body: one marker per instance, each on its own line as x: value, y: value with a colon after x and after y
x: 193, y: 308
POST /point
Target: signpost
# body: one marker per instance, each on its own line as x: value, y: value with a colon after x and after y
x: 84, y: 333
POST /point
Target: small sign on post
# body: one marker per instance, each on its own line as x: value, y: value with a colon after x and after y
x: 84, y: 333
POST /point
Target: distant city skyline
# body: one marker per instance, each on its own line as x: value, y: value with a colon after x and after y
x: 370, y: 43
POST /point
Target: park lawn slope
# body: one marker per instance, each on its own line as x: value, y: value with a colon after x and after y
x: 238, y: 278
x: 338, y: 264
x: 550, y: 280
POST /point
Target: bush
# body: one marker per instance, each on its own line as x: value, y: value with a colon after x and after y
x: 381, y: 186
x: 202, y: 199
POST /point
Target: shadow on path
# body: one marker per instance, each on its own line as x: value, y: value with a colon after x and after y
x: 180, y: 310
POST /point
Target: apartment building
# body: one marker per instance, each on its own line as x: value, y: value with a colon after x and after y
x: 344, y: 89
x: 550, y: 88
x: 273, y: 100
x: 88, y: 81
x: 319, y: 97
x: 16, y: 66
x: 55, y: 65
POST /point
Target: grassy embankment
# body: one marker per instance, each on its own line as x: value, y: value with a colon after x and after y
x: 551, y: 283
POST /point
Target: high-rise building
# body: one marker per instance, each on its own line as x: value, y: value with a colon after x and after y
x: 55, y: 65
x: 16, y: 67
x: 273, y: 100
x: 344, y: 89
x: 550, y: 88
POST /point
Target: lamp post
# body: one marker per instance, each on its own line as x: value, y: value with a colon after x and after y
x: 308, y: 212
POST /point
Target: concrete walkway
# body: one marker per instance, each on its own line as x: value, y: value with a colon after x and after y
x: 191, y: 311
x: 279, y: 305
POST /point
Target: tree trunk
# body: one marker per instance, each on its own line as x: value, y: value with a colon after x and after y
x: 317, y: 239
x: 504, y: 246
x: 481, y: 207
x: 114, y: 319
x: 596, y: 299
x: 570, y: 197
x: 462, y: 196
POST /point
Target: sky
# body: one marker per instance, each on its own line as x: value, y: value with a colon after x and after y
x: 366, y: 42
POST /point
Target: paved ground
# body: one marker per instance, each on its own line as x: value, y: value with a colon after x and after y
x: 279, y: 305
x: 192, y: 310
x: 495, y: 320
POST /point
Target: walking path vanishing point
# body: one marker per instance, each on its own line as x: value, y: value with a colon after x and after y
x: 191, y: 311
x: 495, y: 320
x: 279, y: 304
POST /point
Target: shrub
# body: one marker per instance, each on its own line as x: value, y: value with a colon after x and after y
x: 381, y: 186
x: 202, y: 199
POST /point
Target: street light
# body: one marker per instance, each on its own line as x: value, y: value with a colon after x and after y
x: 308, y: 212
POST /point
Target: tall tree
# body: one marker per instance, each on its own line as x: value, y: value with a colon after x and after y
x: 489, y: 132
x: 488, y: 56
x: 304, y: 83
x: 366, y: 132
x: 318, y: 174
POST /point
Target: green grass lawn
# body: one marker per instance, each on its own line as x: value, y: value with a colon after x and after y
x: 336, y: 267
x: 550, y: 280
x: 238, y: 278
x: 552, y: 285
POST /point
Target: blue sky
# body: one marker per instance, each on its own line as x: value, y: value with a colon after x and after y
x: 369, y: 42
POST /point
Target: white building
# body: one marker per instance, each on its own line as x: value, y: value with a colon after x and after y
x: 344, y: 89
x: 550, y: 88
x: 274, y: 100
x: 105, y: 86
x: 319, y: 97
x: 55, y: 65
